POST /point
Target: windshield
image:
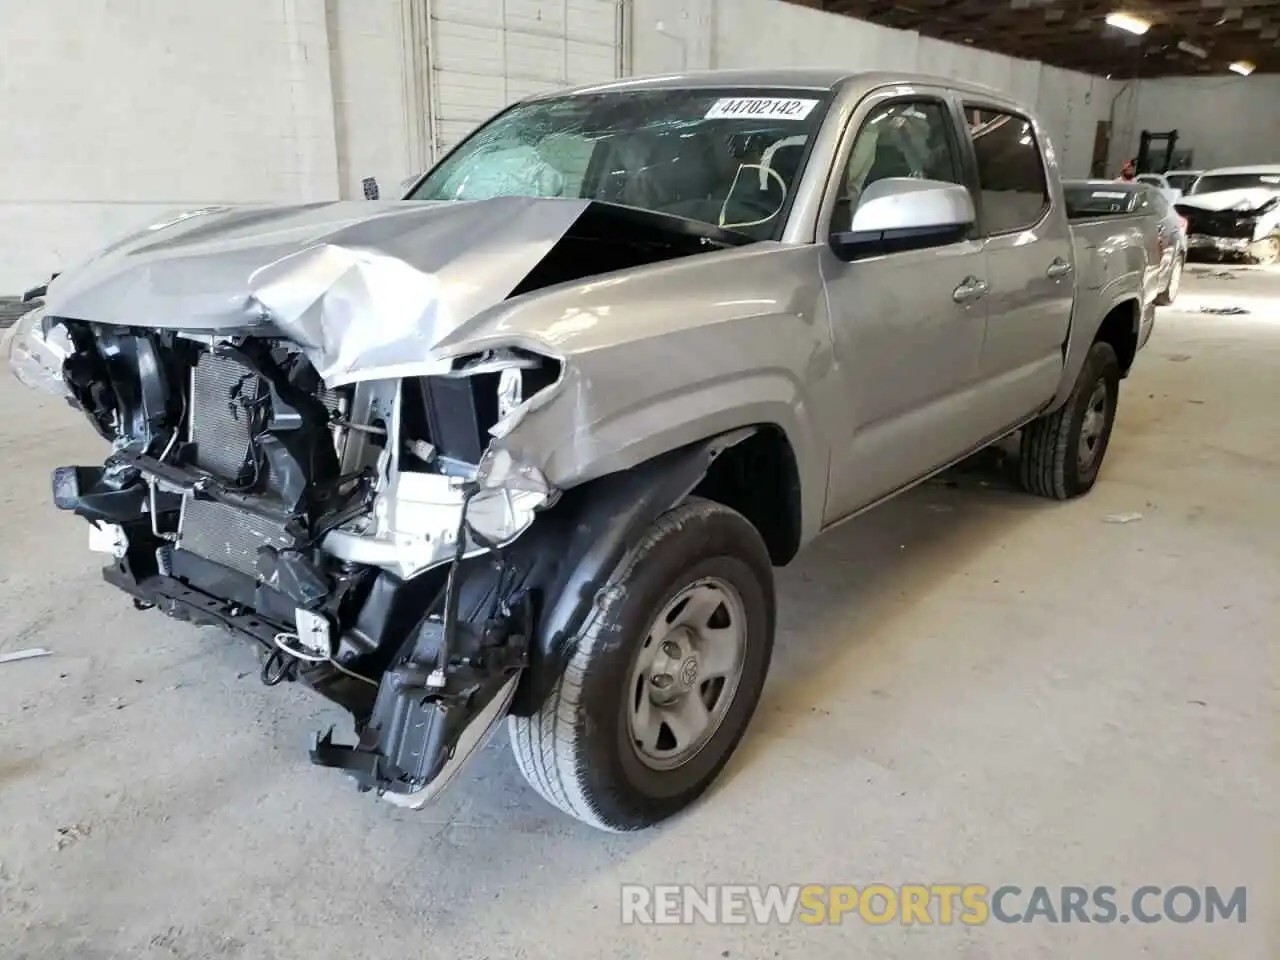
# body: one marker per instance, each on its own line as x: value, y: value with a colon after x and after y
x: 1236, y: 181
x: 729, y: 158
x: 1182, y: 181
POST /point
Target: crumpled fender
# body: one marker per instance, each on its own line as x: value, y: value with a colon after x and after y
x: 568, y: 555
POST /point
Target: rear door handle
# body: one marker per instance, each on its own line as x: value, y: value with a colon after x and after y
x: 970, y: 289
x: 1058, y: 269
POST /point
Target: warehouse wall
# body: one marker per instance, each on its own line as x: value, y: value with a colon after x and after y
x: 117, y: 111
x: 141, y: 107
x: 369, y: 70
x: 700, y: 34
x: 1225, y: 120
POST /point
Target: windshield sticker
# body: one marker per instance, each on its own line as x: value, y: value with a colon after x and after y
x: 760, y: 108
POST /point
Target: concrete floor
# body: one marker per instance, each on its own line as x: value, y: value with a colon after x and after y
x: 969, y: 686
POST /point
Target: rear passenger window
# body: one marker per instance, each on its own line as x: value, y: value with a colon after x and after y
x: 1010, y: 170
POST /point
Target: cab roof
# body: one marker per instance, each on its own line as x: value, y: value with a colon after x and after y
x: 794, y: 78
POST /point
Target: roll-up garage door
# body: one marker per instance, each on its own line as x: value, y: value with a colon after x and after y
x: 487, y: 53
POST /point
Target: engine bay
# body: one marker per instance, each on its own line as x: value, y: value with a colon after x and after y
x: 329, y: 525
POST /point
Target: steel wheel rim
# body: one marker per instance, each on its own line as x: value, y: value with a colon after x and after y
x: 686, y: 674
x: 1092, y: 426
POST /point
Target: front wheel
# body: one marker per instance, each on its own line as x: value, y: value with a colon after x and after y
x: 1062, y: 451
x: 665, y: 676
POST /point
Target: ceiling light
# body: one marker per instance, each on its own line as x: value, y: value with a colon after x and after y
x: 1192, y: 49
x: 1242, y: 67
x: 1127, y: 21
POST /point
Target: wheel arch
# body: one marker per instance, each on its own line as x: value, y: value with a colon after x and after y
x: 572, y: 549
x: 1120, y: 325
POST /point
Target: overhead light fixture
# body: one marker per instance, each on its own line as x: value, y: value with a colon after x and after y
x: 1242, y: 67
x: 1192, y: 49
x: 1127, y: 21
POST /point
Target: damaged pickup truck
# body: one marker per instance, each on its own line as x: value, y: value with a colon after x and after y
x: 528, y: 443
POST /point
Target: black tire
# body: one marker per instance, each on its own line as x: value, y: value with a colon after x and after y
x: 1170, y: 292
x: 576, y: 750
x: 1050, y: 462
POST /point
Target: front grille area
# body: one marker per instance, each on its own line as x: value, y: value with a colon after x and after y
x: 229, y: 536
x: 223, y: 393
x: 220, y: 390
x: 1218, y: 223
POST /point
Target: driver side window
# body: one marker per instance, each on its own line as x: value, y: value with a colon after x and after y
x: 905, y: 138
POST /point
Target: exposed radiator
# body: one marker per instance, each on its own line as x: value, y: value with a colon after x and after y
x: 220, y: 428
x: 227, y: 535
x: 219, y: 421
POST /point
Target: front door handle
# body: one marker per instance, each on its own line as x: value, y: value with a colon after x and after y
x: 970, y: 289
x: 1058, y: 269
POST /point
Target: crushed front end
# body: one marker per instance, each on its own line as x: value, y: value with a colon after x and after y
x: 358, y: 534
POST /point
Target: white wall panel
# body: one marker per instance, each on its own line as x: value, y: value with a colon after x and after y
x: 115, y: 111
x: 486, y: 53
x: 367, y: 71
x: 764, y: 33
x: 1226, y: 120
x: 1070, y: 105
x: 671, y: 36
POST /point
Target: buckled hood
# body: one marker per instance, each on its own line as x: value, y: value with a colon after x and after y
x: 1244, y: 199
x: 361, y: 286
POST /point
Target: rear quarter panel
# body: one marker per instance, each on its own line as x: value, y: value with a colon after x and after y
x: 1113, y: 268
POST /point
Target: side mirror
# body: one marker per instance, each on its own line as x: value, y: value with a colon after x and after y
x: 370, y: 185
x: 905, y: 213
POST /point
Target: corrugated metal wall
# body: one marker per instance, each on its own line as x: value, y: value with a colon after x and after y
x: 487, y: 53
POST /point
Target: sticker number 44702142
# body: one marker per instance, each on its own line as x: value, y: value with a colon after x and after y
x: 760, y: 108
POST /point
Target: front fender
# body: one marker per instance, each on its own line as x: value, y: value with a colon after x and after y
x: 568, y: 555
x: 575, y: 442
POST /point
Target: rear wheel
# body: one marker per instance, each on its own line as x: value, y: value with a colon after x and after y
x: 1062, y: 452
x: 1170, y: 292
x: 665, y: 676
x: 1266, y: 251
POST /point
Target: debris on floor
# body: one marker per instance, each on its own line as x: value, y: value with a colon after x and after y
x: 1178, y: 357
x: 1122, y: 517
x: 29, y: 654
x: 72, y: 833
x: 1224, y: 311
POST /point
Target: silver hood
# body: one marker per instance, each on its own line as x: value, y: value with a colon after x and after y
x: 1243, y: 199
x: 366, y: 288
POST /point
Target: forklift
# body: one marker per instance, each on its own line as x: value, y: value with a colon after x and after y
x: 1156, y: 151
